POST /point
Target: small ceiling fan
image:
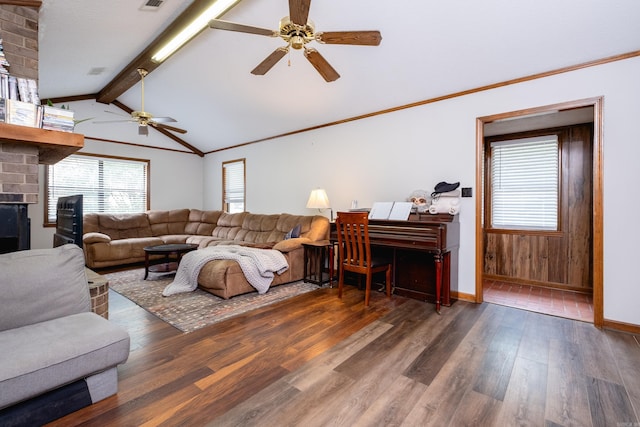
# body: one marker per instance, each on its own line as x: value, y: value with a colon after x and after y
x: 296, y: 30
x: 145, y: 119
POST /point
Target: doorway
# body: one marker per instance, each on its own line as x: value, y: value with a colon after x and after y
x: 552, y: 116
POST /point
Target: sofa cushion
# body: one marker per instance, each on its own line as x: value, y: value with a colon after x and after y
x: 229, y: 225
x: 167, y: 222
x: 59, y: 351
x: 124, y: 248
x: 201, y: 223
x: 95, y: 238
x: 257, y: 228
x: 288, y: 245
x: 121, y: 226
x: 312, y: 227
x: 42, y: 284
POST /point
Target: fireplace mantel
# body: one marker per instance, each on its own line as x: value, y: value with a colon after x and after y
x: 53, y: 145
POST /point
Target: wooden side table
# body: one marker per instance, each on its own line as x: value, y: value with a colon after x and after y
x: 316, y: 255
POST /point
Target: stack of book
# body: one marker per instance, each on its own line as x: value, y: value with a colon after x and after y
x: 57, y: 119
x: 19, y: 99
x: 22, y: 113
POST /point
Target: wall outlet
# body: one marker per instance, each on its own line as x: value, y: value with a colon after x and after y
x: 466, y: 192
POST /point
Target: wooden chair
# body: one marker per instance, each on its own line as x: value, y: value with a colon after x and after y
x: 355, y: 251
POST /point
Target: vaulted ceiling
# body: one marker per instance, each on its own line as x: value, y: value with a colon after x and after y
x: 429, y: 49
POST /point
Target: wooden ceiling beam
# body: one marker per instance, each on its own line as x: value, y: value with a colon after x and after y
x: 129, y: 76
x: 25, y: 3
x: 165, y: 132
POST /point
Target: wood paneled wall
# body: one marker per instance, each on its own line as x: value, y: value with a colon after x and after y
x: 559, y: 259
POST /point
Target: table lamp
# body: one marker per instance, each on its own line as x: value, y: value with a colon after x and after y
x: 318, y: 200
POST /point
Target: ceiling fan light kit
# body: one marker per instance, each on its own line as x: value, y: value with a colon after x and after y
x: 297, y: 30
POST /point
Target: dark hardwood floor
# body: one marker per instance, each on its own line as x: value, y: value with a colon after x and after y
x: 315, y: 360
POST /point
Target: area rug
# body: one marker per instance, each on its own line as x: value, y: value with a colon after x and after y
x: 194, y: 310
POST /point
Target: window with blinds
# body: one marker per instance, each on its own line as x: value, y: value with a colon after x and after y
x: 107, y: 184
x: 524, y: 183
x: 233, y: 185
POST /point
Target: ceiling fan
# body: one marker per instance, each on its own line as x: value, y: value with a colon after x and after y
x: 296, y: 30
x: 145, y: 119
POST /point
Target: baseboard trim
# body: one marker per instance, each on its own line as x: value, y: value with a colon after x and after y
x: 621, y: 326
x: 463, y: 297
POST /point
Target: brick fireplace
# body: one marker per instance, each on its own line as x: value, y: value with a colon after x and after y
x: 18, y: 188
x: 18, y: 161
x: 22, y: 148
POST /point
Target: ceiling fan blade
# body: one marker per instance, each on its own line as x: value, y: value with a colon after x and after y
x: 116, y: 114
x: 270, y: 61
x: 114, y: 121
x: 319, y: 63
x: 231, y: 26
x: 366, y: 38
x: 167, y: 127
x: 164, y: 120
x: 299, y: 11
x: 143, y: 130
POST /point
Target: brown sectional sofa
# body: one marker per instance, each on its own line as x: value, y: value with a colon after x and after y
x: 111, y: 240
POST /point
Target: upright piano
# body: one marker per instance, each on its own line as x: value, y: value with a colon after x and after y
x: 424, y: 250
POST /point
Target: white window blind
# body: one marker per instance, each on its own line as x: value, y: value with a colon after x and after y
x: 109, y: 185
x: 524, y: 183
x: 233, y: 186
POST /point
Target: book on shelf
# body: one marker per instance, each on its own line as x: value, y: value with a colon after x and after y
x: 21, y: 113
x: 32, y: 89
x: 23, y: 89
x: 54, y: 118
x: 13, y: 88
x: 398, y: 211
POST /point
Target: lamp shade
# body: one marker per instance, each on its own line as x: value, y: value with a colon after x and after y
x: 318, y: 199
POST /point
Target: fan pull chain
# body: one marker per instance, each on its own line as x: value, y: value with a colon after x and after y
x: 289, y: 58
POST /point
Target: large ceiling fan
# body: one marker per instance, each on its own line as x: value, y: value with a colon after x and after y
x: 145, y: 119
x: 296, y: 30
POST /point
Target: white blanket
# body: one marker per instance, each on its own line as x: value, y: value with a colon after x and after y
x: 258, y: 266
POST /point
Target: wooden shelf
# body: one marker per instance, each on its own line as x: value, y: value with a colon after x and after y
x: 53, y: 145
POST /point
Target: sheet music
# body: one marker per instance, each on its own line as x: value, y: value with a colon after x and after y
x: 380, y: 210
x: 391, y: 210
x: 400, y: 211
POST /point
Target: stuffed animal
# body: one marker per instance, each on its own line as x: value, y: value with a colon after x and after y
x: 445, y: 199
x: 420, y: 200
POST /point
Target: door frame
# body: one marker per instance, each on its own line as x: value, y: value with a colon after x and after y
x: 597, y: 259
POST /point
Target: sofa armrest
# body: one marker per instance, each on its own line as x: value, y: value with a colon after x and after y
x: 290, y: 244
x: 95, y: 238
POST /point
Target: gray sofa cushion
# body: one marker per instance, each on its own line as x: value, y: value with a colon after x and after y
x: 47, y: 355
x: 42, y: 284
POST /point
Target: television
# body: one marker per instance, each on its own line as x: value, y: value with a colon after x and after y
x: 68, y: 221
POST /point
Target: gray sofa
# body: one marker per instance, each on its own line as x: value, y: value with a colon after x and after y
x: 57, y: 356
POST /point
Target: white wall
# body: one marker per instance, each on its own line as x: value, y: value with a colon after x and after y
x: 175, y: 182
x: 386, y: 157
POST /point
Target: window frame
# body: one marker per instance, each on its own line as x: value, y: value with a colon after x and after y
x: 225, y: 203
x: 487, y: 177
x: 147, y: 165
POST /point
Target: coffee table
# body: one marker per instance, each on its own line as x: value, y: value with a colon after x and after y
x: 167, y: 264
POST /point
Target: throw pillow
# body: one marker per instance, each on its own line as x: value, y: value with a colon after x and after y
x: 293, y: 233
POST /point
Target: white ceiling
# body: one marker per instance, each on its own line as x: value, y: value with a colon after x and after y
x: 429, y: 48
